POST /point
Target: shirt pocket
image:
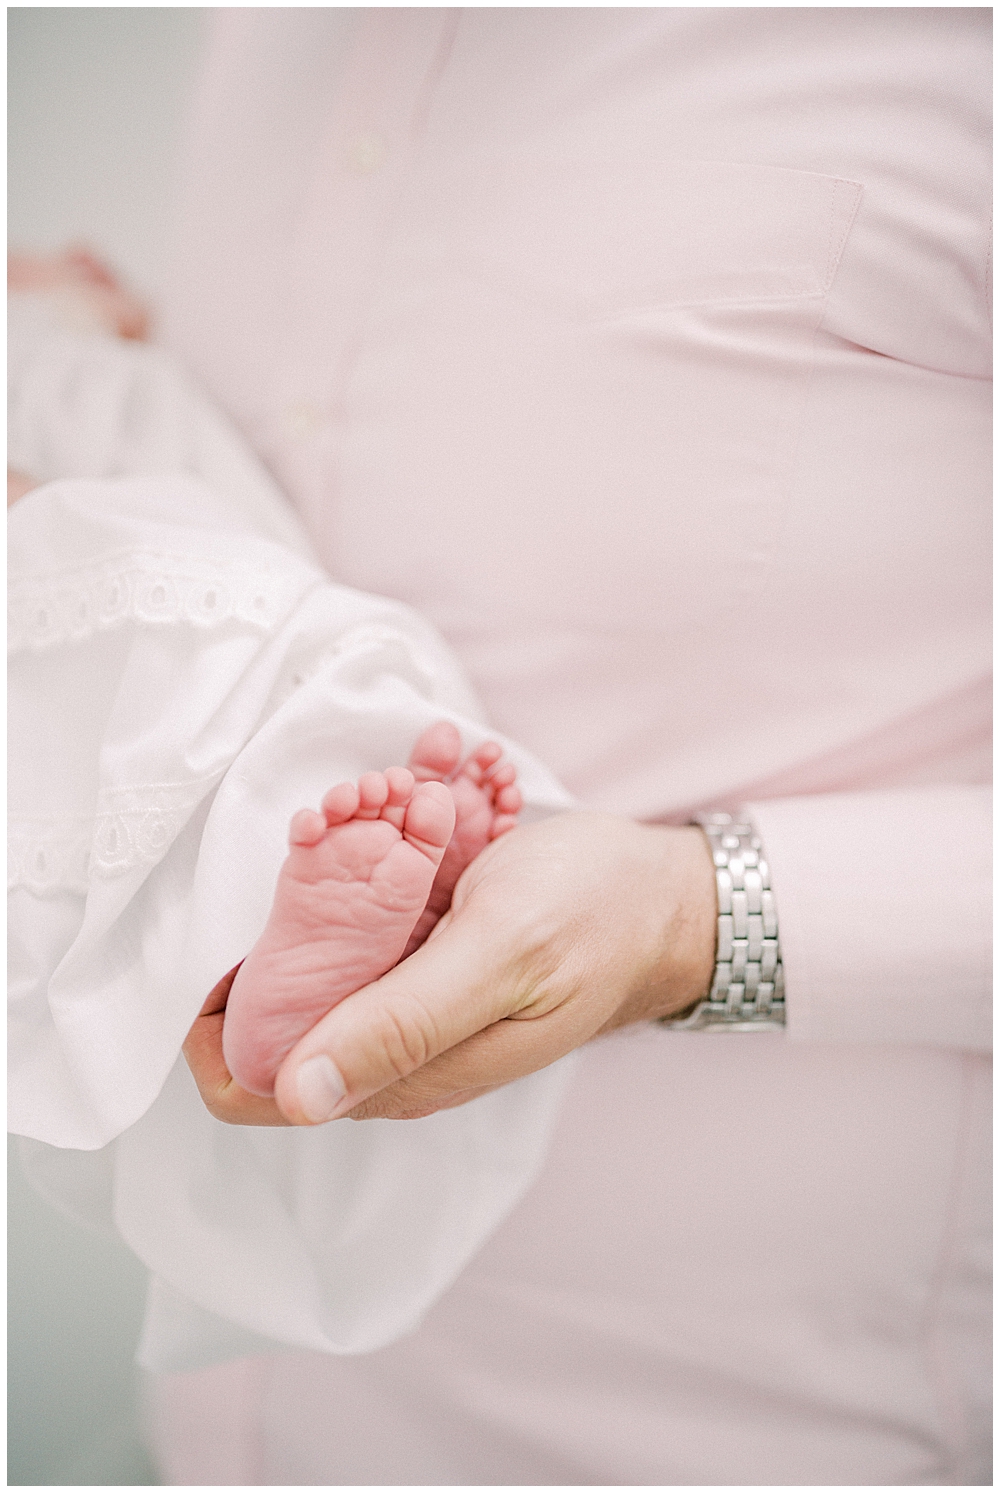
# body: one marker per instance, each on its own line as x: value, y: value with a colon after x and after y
x: 659, y: 325
x: 610, y: 351
x: 603, y: 236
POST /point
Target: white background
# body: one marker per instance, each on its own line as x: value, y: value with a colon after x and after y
x: 96, y: 103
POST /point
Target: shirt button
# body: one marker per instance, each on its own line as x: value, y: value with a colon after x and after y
x: 366, y: 154
x: 302, y: 420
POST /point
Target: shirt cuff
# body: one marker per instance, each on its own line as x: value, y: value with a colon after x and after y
x: 884, y: 912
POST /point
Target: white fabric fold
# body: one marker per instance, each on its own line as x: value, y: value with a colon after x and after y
x: 181, y: 681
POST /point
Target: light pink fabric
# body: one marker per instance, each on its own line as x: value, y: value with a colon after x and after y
x: 647, y: 354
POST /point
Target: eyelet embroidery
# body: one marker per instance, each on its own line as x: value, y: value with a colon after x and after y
x: 145, y: 587
x: 47, y: 856
x: 132, y: 827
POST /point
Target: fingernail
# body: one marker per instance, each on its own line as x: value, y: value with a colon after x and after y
x: 320, y: 1088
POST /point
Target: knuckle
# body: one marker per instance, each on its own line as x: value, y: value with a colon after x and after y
x: 409, y: 1036
x: 401, y: 1101
x: 217, y: 1107
x: 220, y: 1101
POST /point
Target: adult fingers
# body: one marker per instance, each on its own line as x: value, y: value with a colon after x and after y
x: 19, y: 483
x: 506, y: 1051
x: 221, y: 1094
x: 441, y: 996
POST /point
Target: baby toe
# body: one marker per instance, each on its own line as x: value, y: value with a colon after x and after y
x: 373, y: 791
x: 487, y: 754
x: 503, y: 776
x: 307, y: 828
x: 436, y: 752
x: 341, y: 803
x: 509, y: 800
x: 430, y: 818
x: 401, y: 783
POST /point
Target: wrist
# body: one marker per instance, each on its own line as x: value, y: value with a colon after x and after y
x: 678, y: 885
x: 748, y: 986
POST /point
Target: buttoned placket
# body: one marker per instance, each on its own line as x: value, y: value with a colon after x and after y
x: 338, y: 243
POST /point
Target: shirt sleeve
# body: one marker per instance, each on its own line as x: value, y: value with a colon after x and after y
x: 884, y: 912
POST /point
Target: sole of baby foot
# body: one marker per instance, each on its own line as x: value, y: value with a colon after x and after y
x: 356, y: 880
x: 487, y: 803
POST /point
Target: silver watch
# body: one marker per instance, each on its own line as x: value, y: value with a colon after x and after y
x: 748, y: 987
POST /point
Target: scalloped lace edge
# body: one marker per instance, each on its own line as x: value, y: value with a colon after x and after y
x: 132, y: 827
x: 148, y: 587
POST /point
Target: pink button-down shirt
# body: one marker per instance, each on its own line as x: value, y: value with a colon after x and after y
x: 647, y: 354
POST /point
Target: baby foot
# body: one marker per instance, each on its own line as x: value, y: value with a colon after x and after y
x: 356, y: 880
x: 487, y: 803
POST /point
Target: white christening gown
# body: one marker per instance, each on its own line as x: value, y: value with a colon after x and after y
x: 183, y: 677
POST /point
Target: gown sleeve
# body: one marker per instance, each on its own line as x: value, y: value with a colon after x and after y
x: 183, y: 677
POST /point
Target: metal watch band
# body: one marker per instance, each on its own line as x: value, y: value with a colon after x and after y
x: 748, y: 987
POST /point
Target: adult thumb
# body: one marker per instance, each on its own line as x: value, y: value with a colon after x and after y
x: 439, y: 996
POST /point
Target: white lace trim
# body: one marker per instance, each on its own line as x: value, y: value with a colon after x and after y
x: 149, y: 587
x: 132, y: 827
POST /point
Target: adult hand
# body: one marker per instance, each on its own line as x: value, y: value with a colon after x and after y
x: 98, y: 295
x: 18, y: 483
x: 557, y: 932
x: 222, y: 1095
